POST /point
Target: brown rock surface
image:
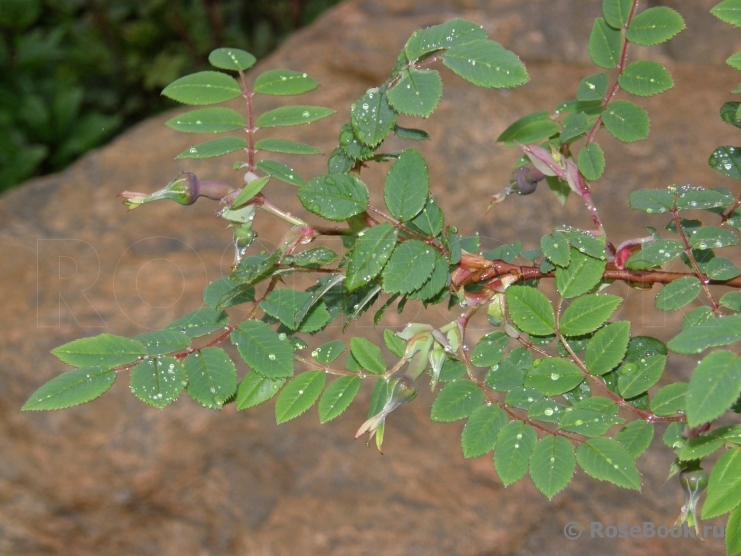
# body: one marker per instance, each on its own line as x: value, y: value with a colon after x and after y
x: 114, y: 477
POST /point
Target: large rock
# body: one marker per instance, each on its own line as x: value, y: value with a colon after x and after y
x: 114, y: 477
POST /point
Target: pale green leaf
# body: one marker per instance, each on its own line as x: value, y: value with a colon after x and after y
x: 285, y: 146
x: 71, y: 388
x: 280, y: 171
x: 249, y: 191
x: 370, y: 254
x: 161, y: 342
x: 292, y: 115
x: 231, y: 59
x: 368, y: 355
x: 652, y: 200
x: 592, y: 87
x: 438, y: 37
x: 728, y: 11
x: 214, y: 147
x: 105, y: 350
x: 552, y: 376
x: 207, y: 120
x: 711, y: 333
x: 256, y: 389
x: 727, y: 160
x: 529, y: 129
x: 372, y: 117
x: 205, y: 87
x: 490, y: 349
x: 724, y: 485
x: 284, y: 82
x: 200, y: 322
x: 655, y: 254
x: 637, y: 377
x: 616, y: 12
x: 431, y: 220
x: 556, y: 248
x: 670, y: 399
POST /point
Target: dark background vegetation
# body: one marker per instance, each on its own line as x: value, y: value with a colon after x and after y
x: 74, y: 73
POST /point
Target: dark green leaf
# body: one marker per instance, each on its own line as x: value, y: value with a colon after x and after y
x: 636, y: 378
x: 582, y: 274
x: 713, y: 388
x: 530, y: 310
x: 711, y: 333
x: 700, y: 447
x: 552, y: 376
x: 586, y: 314
x: 522, y: 398
x: 293, y: 115
x: 670, y: 399
x: 212, y: 378
x: 430, y: 221
x: 608, y: 460
x: 207, y: 120
x: 654, y: 26
x: 636, y: 437
x: 456, y: 401
x: 655, y: 254
x: 416, y: 93
x: 338, y: 397
x: 71, y: 388
x: 645, y: 78
x: 214, y: 147
x: 575, y: 126
x: 161, y: 342
x: 335, y: 196
x: 652, y: 200
x: 724, y: 485
x: 231, y: 59
x: 299, y: 395
x: 105, y: 350
x: 263, y: 350
x: 585, y: 243
x: 372, y: 117
x: 604, y: 44
x: 616, y: 12
x: 505, y: 376
x: 727, y: 160
x: 486, y: 63
x: 626, y: 121
x: 591, y: 162
x: 552, y: 465
x: 506, y: 253
x: 312, y: 257
x: 529, y: 129
x: 407, y: 185
x: 592, y: 87
x: 587, y: 422
x: 709, y: 237
x: 256, y: 389
x: 370, y: 254
x: 158, y: 382
x: 285, y: 146
x: 556, y: 248
x: 729, y: 110
x: 411, y: 134
x: 200, y: 322
x: 438, y: 37
x: 490, y: 349
x: 284, y: 82
x: 607, y: 348
x: 720, y: 268
x: 546, y: 410
x: 732, y: 300
x: 481, y: 430
x: 280, y: 171
x: 515, y: 443
x: 205, y: 87
x: 409, y: 267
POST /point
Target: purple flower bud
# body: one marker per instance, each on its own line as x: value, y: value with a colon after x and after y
x: 525, y: 180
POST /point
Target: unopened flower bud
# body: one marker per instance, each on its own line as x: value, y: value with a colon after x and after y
x: 184, y: 189
x: 525, y: 180
x: 694, y: 481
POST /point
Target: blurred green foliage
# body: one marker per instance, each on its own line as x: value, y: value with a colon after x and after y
x: 75, y: 72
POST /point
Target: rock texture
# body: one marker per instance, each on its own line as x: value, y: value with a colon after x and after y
x: 116, y: 478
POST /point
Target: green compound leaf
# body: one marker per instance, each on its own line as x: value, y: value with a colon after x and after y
x: 214, y: 147
x: 231, y: 59
x: 284, y: 82
x: 299, y: 395
x: 280, y: 171
x: 293, y: 115
x: 263, y: 350
x: 335, y: 196
x: 586, y: 314
x: 71, y: 388
x: 591, y: 162
x: 727, y: 161
x: 713, y: 388
x: 409, y: 267
x: 605, y: 459
x: 338, y: 397
x: 256, y: 389
x: 530, y: 310
x: 431, y: 220
x: 416, y: 93
x: 654, y: 26
x: 728, y: 11
x: 712, y: 237
x: 636, y: 437
x: 490, y: 349
x: 212, y: 378
x: 604, y: 44
x: 607, y: 348
x: 456, y: 401
x: 552, y: 465
x: 678, y: 293
x: 105, y: 350
x: 205, y: 87
x: 626, y: 121
x: 158, y: 382
x: 529, y: 129
x: 372, y: 118
x: 207, y: 120
x: 552, y: 376
x: 592, y: 87
x: 637, y: 377
x: 481, y: 430
x: 616, y: 12
x: 438, y: 37
x: 655, y: 254
x: 515, y: 443
x: 200, y: 322
x: 370, y: 254
x: 583, y: 274
x: 645, y: 78
x: 724, y: 485
x: 652, y: 200
x: 556, y: 248
x: 407, y: 185
x: 710, y: 333
x: 161, y: 342
x: 285, y: 146
x: 670, y: 399
x: 368, y: 355
x: 486, y: 63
